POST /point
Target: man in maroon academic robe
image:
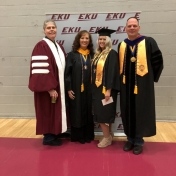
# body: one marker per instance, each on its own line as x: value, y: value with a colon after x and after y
x: 47, y: 82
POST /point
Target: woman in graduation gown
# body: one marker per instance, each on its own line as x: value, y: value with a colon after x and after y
x: 78, y: 87
x: 47, y: 81
x: 105, y: 85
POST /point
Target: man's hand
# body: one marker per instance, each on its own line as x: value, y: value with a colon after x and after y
x: 71, y: 94
x: 53, y: 94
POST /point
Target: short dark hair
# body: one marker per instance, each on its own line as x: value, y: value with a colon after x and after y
x: 133, y: 18
x: 76, y: 43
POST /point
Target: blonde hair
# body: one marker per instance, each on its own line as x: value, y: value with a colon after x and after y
x: 108, y: 45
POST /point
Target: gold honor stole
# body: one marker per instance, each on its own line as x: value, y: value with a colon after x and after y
x: 99, y: 70
x: 142, y: 68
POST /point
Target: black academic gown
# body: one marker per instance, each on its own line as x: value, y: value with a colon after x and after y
x: 80, y: 109
x: 138, y: 110
x: 106, y: 114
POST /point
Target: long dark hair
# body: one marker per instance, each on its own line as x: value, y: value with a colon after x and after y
x: 76, y: 43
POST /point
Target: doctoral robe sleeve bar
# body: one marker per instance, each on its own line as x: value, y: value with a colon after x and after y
x: 156, y: 59
x: 68, y: 72
x: 41, y: 72
x: 112, y: 72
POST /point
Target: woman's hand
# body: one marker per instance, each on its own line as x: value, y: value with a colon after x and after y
x: 107, y: 94
x: 53, y: 94
x: 71, y: 94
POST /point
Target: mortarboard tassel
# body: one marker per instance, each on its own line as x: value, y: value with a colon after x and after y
x: 135, y: 89
x: 104, y: 90
x: 82, y: 87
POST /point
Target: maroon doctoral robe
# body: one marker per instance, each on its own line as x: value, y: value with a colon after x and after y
x: 47, y: 73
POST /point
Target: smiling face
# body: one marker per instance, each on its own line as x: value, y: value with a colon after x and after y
x: 102, y: 42
x: 132, y: 28
x: 84, y: 41
x: 50, y: 31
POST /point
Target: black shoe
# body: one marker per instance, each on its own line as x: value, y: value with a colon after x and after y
x: 128, y: 146
x: 55, y: 142
x: 88, y: 140
x: 82, y: 141
x: 63, y: 135
x: 137, y: 149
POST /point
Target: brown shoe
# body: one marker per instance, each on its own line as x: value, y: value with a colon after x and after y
x: 105, y: 142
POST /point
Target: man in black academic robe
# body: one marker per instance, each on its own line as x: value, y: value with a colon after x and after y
x: 141, y: 64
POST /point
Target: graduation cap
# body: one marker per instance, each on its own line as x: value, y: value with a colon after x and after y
x: 105, y: 32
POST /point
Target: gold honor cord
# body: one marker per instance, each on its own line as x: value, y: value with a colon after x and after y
x: 104, y: 90
x: 82, y: 87
x: 95, y: 59
x: 124, y: 79
x: 135, y: 89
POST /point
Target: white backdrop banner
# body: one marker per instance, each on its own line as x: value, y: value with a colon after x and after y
x: 68, y: 25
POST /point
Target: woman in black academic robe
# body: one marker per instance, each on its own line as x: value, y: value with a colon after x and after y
x: 78, y: 87
x: 105, y: 85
